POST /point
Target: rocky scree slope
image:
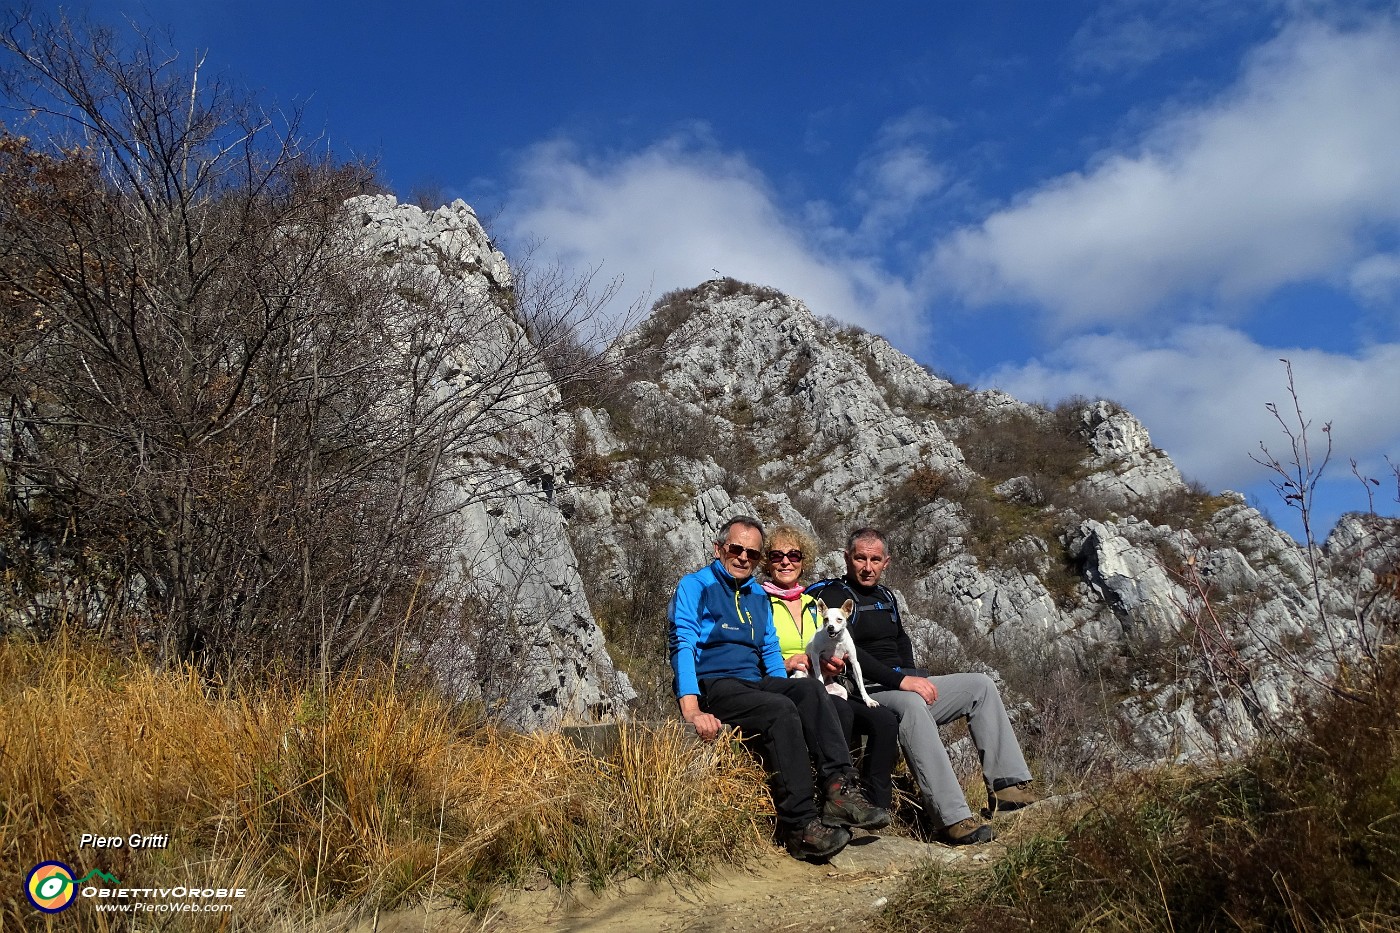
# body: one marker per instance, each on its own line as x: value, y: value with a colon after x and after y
x: 1130, y: 614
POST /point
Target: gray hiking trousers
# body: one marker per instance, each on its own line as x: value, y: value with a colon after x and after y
x: 976, y: 697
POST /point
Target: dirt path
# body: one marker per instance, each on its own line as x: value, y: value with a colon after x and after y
x: 776, y: 893
x: 773, y: 894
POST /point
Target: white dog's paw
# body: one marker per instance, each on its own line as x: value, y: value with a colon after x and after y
x: 797, y: 673
x: 872, y: 703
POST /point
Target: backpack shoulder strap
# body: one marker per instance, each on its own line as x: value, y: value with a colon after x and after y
x: 887, y: 595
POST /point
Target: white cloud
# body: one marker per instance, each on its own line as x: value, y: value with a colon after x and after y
x: 1128, y: 35
x: 1281, y: 180
x: 893, y: 182
x: 1376, y: 279
x: 1125, y: 35
x: 664, y: 217
x: 899, y: 174
x: 1201, y: 393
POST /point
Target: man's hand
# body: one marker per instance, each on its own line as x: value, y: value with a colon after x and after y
x: 920, y: 685
x: 706, y: 725
x: 798, y: 662
x: 833, y: 666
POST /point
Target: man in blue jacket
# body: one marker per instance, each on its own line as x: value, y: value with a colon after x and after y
x: 728, y: 670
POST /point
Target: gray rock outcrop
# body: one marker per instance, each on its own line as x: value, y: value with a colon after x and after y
x: 528, y: 645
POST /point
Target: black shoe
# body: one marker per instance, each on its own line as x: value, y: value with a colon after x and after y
x: 816, y: 840
x: 847, y: 805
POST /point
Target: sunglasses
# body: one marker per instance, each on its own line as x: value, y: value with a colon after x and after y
x: 776, y: 557
x: 738, y: 550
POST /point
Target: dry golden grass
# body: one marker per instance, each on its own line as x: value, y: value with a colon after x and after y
x: 348, y: 796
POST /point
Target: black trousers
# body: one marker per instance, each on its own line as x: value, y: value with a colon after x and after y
x: 878, y: 726
x: 796, y: 728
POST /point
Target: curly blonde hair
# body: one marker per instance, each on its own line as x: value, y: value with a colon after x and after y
x: 784, y: 537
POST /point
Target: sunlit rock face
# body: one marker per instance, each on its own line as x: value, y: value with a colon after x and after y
x: 527, y: 645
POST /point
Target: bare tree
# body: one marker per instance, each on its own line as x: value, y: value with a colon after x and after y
x: 224, y: 416
x: 1296, y: 477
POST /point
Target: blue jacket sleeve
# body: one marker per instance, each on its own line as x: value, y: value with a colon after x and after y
x: 684, y: 617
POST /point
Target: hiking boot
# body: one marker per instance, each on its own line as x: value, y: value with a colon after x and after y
x: 1011, y: 797
x: 970, y: 831
x: 816, y: 840
x: 847, y: 805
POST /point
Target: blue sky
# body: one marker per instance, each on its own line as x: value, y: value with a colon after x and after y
x: 1150, y: 202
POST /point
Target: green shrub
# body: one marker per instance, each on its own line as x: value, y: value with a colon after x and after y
x: 729, y: 287
x: 1188, y: 506
x: 669, y: 496
x: 1051, y: 449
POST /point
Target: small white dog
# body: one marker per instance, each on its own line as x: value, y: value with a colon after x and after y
x: 833, y: 641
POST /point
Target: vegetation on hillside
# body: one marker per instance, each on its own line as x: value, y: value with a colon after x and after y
x: 1303, y: 834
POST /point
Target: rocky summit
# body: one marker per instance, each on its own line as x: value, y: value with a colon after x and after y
x: 529, y: 648
x: 1057, y: 548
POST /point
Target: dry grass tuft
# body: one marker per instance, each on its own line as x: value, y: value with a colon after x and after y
x: 348, y: 796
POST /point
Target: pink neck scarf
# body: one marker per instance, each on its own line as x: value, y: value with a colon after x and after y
x: 786, y: 595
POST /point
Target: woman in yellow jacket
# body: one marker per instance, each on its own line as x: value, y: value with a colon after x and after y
x: 795, y: 618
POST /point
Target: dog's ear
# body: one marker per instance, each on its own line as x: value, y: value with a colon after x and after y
x: 847, y: 607
x: 821, y: 607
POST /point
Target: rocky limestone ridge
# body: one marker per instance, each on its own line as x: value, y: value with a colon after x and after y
x: 1059, y: 547
x: 529, y: 646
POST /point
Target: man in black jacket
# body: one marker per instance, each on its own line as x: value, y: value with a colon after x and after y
x: 924, y: 703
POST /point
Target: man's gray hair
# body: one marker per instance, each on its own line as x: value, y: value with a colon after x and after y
x: 722, y: 536
x: 867, y: 534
